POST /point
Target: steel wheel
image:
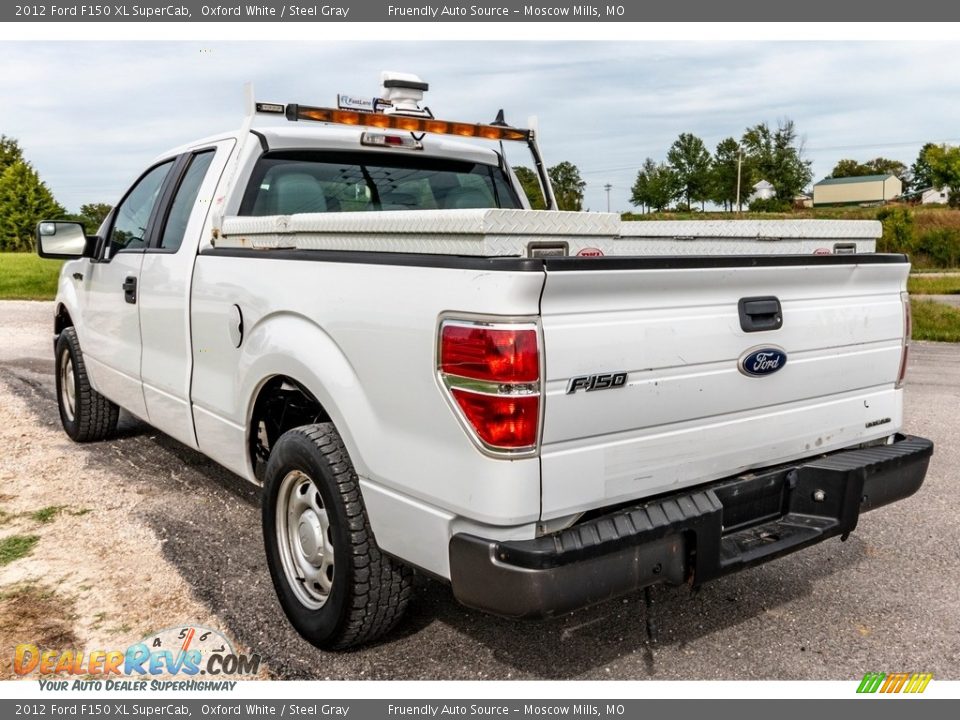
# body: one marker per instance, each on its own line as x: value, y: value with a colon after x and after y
x: 312, y: 505
x: 304, y: 539
x: 85, y: 414
x: 68, y: 387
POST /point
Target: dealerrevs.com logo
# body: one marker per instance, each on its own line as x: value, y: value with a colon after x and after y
x: 888, y: 683
x: 186, y: 650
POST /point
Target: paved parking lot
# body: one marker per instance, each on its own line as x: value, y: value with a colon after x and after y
x: 886, y: 600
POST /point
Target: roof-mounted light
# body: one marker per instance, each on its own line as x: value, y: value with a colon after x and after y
x: 405, y: 123
x: 272, y: 108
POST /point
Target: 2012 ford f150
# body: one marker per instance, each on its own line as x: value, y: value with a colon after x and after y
x: 363, y: 315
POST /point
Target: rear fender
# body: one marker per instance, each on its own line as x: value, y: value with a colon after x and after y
x: 293, y: 345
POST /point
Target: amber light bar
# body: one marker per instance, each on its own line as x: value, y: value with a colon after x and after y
x: 405, y: 123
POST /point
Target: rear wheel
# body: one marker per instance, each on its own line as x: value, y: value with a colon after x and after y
x: 335, y: 585
x: 85, y: 414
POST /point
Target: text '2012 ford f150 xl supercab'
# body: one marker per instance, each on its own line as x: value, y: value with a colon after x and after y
x: 356, y: 308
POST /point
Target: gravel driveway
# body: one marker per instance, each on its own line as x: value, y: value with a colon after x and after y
x: 885, y: 600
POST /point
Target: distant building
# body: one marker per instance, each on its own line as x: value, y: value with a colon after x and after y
x: 927, y: 196
x: 857, y: 190
x: 802, y: 201
x: 934, y: 196
x: 762, y: 191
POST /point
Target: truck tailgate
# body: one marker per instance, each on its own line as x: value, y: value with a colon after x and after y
x: 686, y: 413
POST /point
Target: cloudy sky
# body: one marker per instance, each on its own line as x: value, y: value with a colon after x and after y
x: 90, y: 116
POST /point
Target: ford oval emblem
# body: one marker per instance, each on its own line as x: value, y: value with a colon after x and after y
x: 758, y: 362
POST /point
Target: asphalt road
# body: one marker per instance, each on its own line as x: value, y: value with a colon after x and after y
x: 886, y: 600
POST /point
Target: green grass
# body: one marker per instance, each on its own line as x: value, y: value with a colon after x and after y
x: 935, y: 321
x: 945, y: 285
x: 47, y: 514
x: 26, y: 276
x: 15, y: 547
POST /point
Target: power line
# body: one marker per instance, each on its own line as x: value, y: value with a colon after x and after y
x: 877, y: 145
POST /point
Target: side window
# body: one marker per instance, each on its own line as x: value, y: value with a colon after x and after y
x: 133, y: 214
x: 185, y: 200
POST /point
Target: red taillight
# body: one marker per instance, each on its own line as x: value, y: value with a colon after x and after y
x: 495, y: 354
x: 907, y: 332
x: 492, y: 373
x: 505, y: 421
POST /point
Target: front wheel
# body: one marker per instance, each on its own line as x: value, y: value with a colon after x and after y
x: 85, y: 414
x: 334, y: 584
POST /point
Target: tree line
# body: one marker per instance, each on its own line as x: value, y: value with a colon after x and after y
x: 693, y: 175
x: 568, y: 186
x: 25, y: 200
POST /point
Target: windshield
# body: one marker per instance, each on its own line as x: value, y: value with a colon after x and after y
x: 285, y: 183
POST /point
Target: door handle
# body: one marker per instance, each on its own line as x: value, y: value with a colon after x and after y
x: 760, y: 313
x: 130, y: 290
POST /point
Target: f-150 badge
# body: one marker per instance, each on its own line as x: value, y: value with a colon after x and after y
x: 600, y: 381
x: 758, y: 362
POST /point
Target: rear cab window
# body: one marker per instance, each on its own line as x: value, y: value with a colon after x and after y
x: 289, y: 182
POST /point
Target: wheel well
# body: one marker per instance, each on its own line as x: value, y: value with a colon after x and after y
x: 282, y: 404
x: 62, y: 321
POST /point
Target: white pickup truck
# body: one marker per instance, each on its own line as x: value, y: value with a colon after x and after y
x: 361, y: 314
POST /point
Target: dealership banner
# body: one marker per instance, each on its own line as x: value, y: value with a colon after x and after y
x: 493, y: 11
x: 475, y: 709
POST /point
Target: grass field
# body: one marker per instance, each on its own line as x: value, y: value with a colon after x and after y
x: 938, y: 285
x: 935, y: 321
x: 26, y: 276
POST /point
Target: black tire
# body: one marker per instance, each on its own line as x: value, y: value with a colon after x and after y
x: 92, y: 417
x: 369, y: 591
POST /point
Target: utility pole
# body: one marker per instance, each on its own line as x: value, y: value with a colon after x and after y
x: 608, y: 187
x: 739, y: 166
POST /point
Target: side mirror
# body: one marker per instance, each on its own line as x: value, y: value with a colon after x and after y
x: 64, y: 240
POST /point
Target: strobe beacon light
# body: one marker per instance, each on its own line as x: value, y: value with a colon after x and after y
x: 404, y: 93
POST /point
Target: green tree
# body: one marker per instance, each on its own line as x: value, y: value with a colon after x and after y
x: 944, y: 162
x: 921, y: 176
x: 25, y: 200
x: 91, y: 216
x: 568, y: 186
x: 690, y: 160
x: 656, y: 185
x: 877, y: 166
x: 640, y: 193
x: 898, y: 230
x: 723, y: 177
x: 848, y: 168
x: 10, y: 152
x: 886, y: 166
x: 531, y: 186
x: 777, y: 156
